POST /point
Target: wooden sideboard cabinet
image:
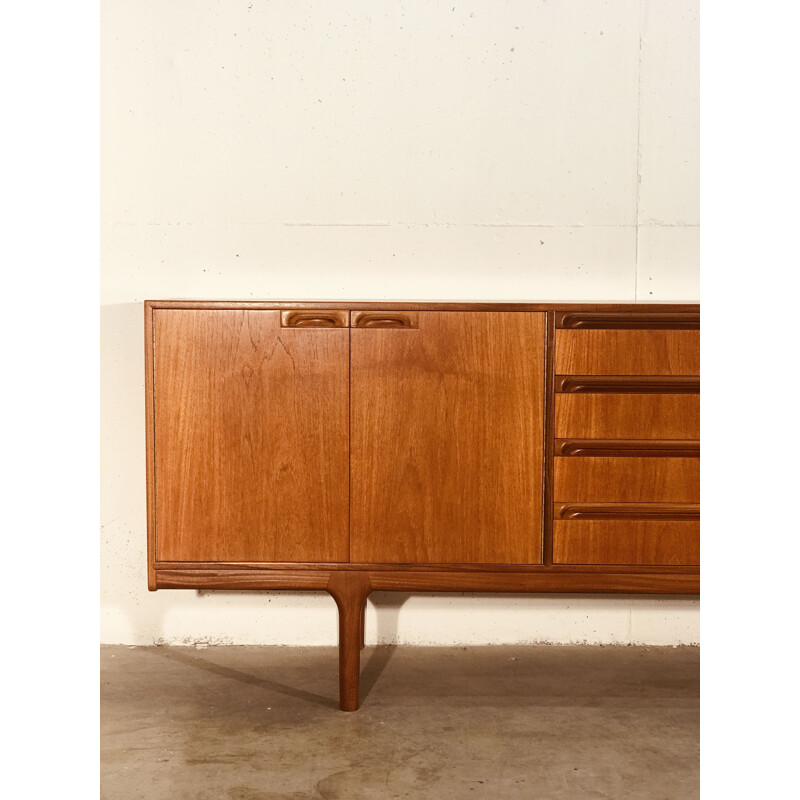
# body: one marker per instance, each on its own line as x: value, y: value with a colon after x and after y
x: 352, y: 447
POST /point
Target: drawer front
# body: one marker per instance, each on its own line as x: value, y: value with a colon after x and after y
x: 627, y: 416
x: 626, y: 480
x: 633, y: 542
x: 627, y: 352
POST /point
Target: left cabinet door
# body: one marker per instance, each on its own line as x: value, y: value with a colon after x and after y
x: 251, y: 438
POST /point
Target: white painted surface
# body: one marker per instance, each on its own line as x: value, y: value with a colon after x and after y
x: 669, y: 262
x: 345, y: 150
x: 669, y: 114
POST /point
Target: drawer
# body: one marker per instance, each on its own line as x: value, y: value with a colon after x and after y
x: 633, y: 542
x: 626, y: 480
x: 627, y: 416
x: 627, y: 352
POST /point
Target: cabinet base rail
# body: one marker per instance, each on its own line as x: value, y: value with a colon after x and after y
x: 351, y: 588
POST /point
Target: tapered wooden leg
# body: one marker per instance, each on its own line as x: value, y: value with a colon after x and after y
x: 350, y: 591
x: 362, y: 624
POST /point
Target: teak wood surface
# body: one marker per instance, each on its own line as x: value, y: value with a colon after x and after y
x: 626, y: 479
x: 627, y: 352
x: 631, y: 542
x: 251, y: 438
x: 627, y: 416
x: 358, y: 447
x: 446, y: 440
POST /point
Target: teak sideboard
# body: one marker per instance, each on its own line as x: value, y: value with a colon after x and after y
x: 487, y: 447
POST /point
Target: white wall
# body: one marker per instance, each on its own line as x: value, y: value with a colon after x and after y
x: 477, y: 150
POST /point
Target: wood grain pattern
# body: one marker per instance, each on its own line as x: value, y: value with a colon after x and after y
x: 192, y: 577
x: 627, y: 511
x: 627, y: 384
x: 641, y: 448
x: 251, y: 430
x: 627, y: 352
x: 627, y: 416
x: 447, y: 440
x: 639, y: 320
x: 677, y: 581
x: 567, y: 578
x: 626, y: 542
x: 626, y: 480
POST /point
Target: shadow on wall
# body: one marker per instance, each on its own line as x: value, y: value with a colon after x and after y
x: 127, y: 610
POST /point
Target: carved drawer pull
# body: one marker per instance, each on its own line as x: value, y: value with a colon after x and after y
x: 314, y: 319
x: 644, y: 511
x: 634, y: 448
x: 384, y: 319
x: 637, y: 320
x: 627, y: 384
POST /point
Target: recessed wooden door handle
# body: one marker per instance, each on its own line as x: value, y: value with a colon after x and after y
x: 314, y: 319
x: 384, y: 319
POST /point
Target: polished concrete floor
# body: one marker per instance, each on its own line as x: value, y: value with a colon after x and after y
x: 261, y: 723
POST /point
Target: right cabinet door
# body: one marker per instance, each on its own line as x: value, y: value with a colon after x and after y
x: 446, y: 415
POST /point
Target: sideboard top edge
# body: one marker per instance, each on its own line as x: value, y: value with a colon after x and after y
x: 361, y: 305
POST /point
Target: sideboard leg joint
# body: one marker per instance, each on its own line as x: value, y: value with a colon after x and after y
x: 350, y: 591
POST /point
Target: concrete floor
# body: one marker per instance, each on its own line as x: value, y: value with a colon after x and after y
x: 261, y: 723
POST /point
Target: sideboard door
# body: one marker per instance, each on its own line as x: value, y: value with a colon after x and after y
x: 446, y: 437
x: 251, y: 436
